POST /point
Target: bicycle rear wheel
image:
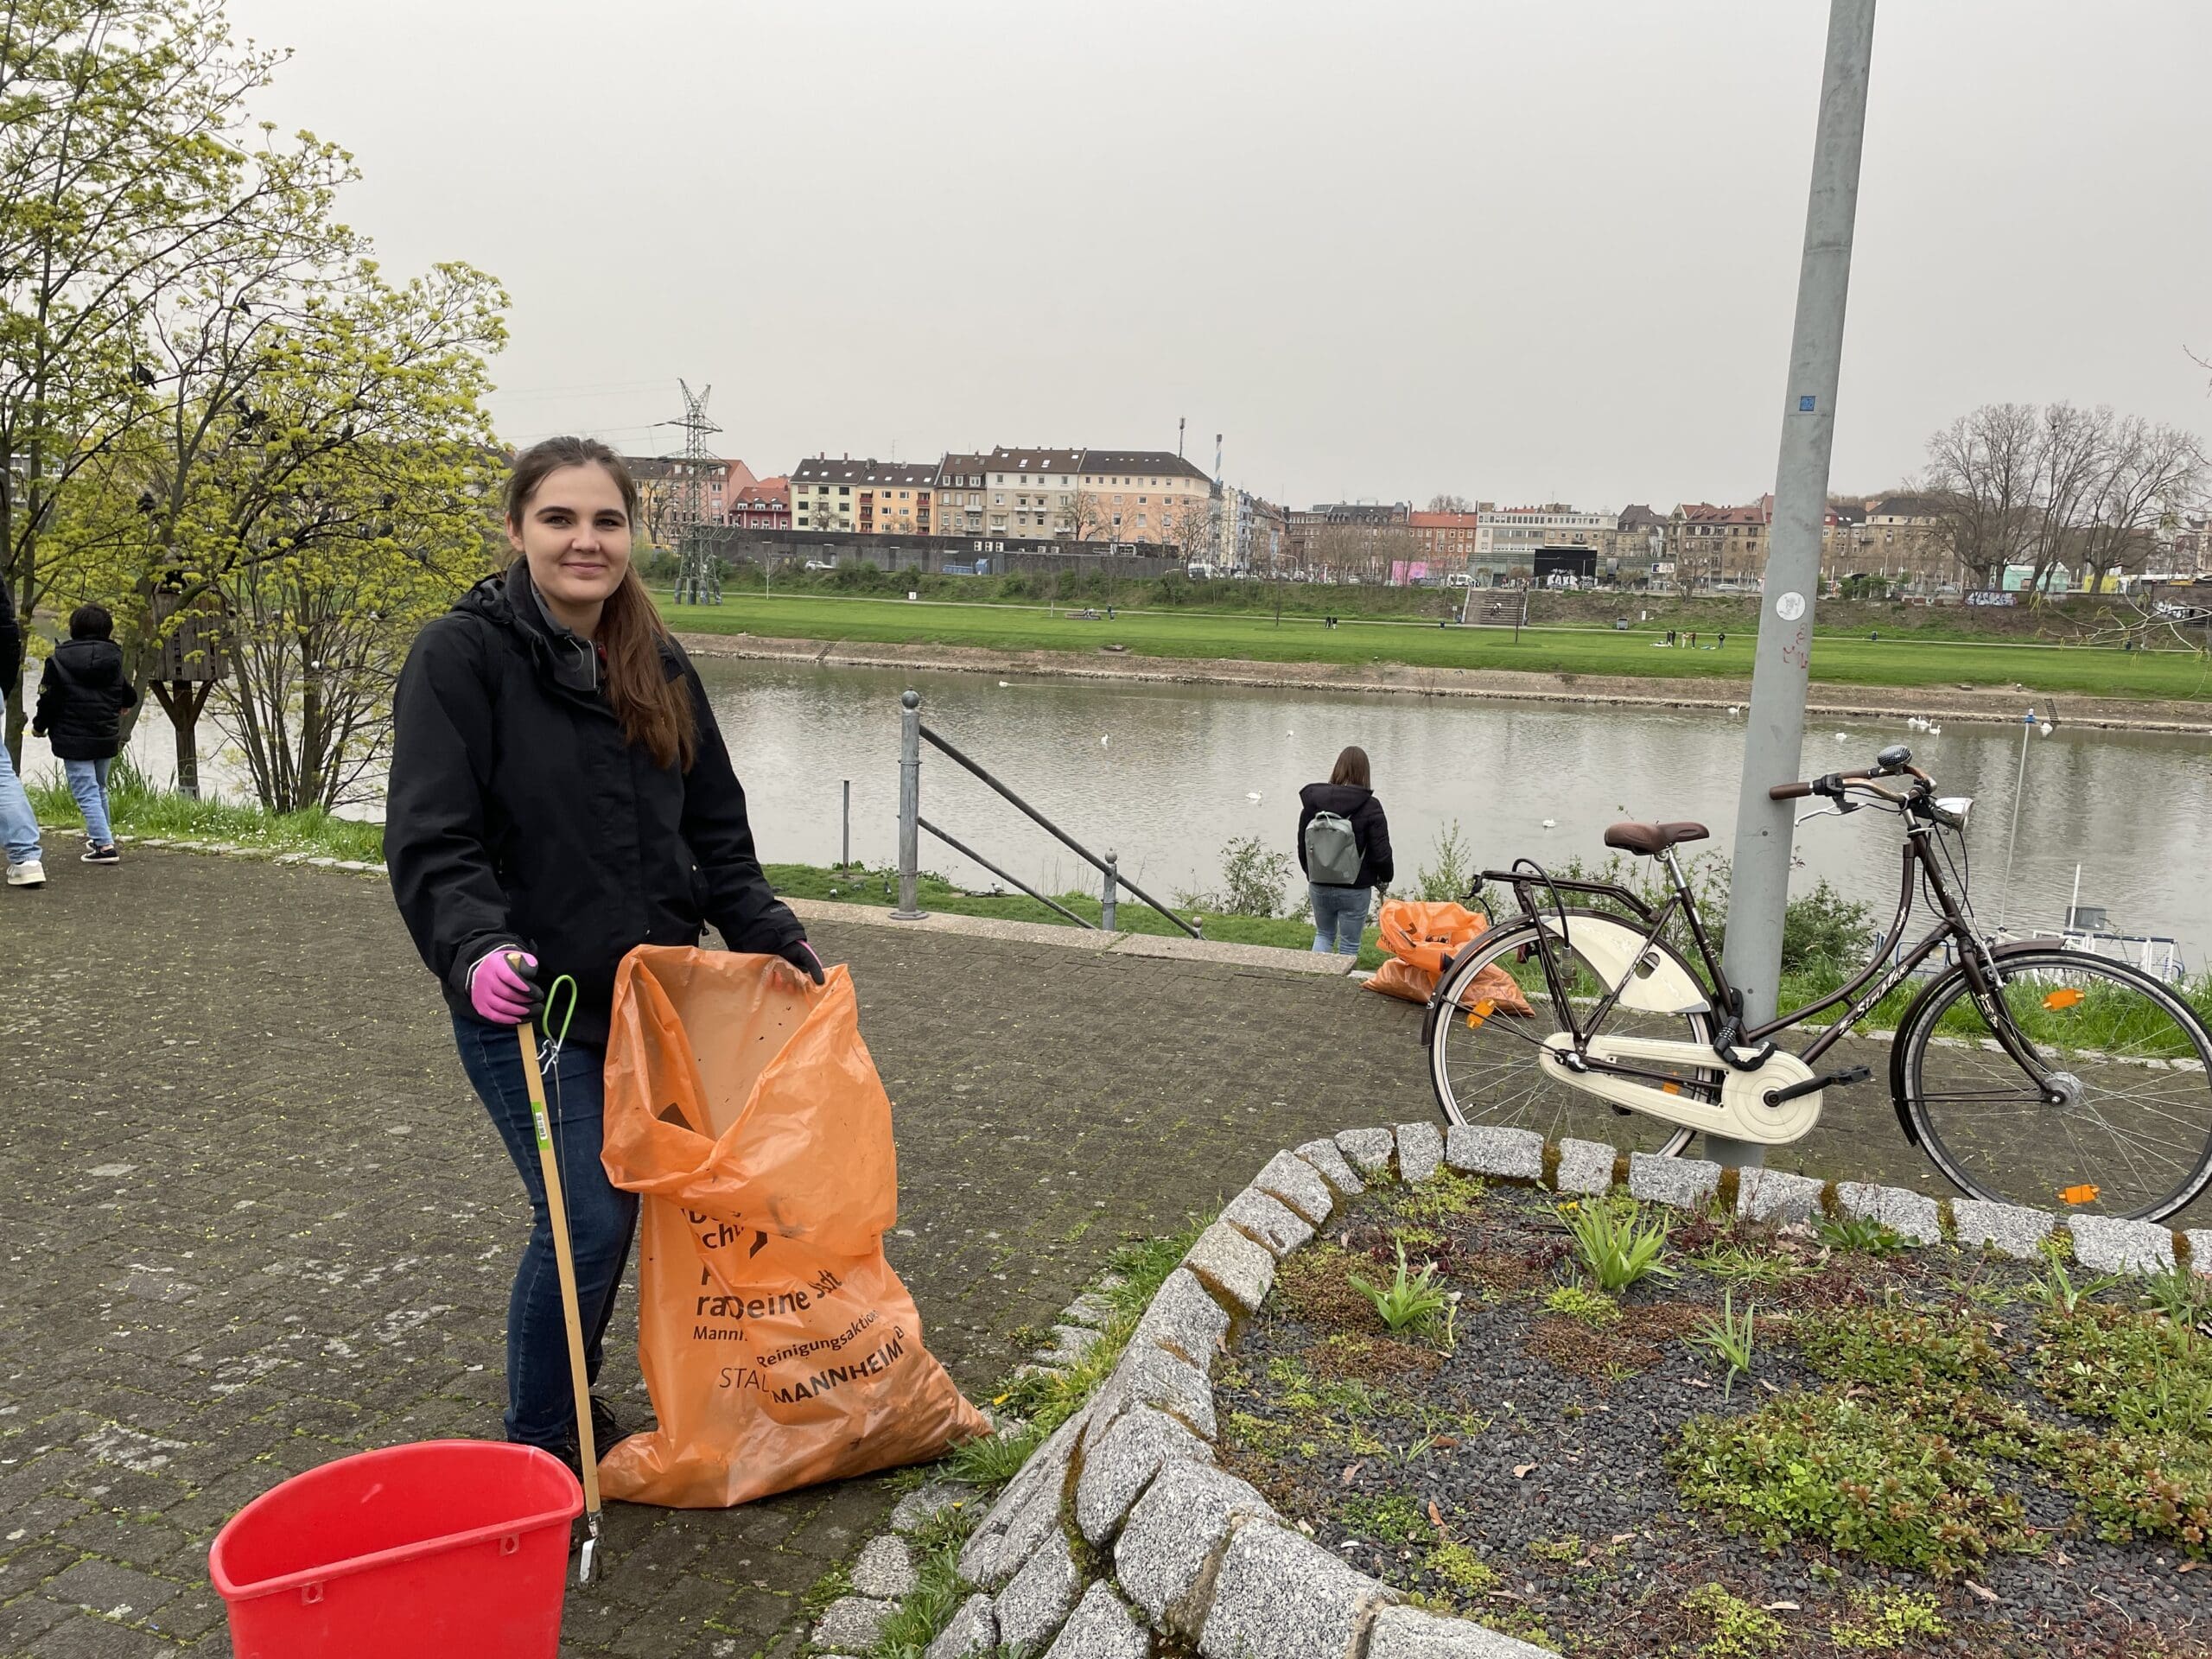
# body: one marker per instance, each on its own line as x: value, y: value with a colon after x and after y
x: 2125, y: 1126
x: 1482, y: 1056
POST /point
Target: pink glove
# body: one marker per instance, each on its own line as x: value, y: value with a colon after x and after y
x: 506, y: 991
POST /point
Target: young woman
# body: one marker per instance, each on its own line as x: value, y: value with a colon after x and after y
x: 1339, y: 906
x: 559, y: 793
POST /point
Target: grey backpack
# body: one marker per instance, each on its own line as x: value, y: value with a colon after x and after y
x: 1331, y: 851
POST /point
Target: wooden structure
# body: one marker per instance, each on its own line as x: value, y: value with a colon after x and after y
x: 191, y: 657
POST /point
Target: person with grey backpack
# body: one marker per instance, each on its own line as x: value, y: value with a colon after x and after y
x: 1343, y: 846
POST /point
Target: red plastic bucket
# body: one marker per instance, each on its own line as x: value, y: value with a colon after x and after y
x: 444, y: 1547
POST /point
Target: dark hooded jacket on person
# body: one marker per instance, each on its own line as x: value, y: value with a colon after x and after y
x: 81, y: 698
x: 1355, y: 803
x: 11, y: 648
x: 519, y: 814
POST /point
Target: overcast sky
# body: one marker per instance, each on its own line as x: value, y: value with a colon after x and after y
x: 1523, y: 250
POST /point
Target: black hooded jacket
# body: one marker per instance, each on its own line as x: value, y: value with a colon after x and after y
x: 518, y: 814
x: 81, y: 698
x: 1355, y: 803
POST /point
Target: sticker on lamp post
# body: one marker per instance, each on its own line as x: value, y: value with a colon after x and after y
x: 1805, y: 404
x: 1789, y: 607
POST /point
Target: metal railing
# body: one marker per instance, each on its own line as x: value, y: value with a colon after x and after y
x: 911, y: 735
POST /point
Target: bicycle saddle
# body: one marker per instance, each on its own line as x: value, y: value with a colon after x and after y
x: 1651, y: 839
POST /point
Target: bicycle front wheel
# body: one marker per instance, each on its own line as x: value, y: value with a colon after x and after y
x: 2121, y: 1124
x: 1482, y: 1052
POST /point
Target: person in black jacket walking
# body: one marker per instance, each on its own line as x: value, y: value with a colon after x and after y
x: 19, y: 840
x: 559, y: 794
x: 1340, y: 906
x: 81, y: 698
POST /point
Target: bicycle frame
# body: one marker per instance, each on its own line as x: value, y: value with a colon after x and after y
x: 1875, y: 981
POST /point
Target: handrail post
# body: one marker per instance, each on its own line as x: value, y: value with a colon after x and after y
x: 909, y: 806
x: 1106, y: 920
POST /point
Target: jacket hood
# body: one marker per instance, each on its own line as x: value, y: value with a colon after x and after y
x: 1335, y: 797
x: 90, y: 660
x: 507, y: 601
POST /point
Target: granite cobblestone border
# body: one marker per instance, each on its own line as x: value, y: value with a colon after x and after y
x: 1120, y: 1539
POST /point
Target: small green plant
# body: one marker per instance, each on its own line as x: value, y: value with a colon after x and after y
x: 1579, y: 1302
x: 1733, y: 1628
x: 1254, y: 880
x: 2182, y: 1295
x: 1885, y: 1620
x: 993, y: 1460
x: 1464, y: 1570
x: 1443, y: 1195
x: 1396, y: 1519
x: 1860, y: 1236
x: 1448, y: 880
x: 1565, y: 1548
x: 1860, y: 1476
x: 836, y: 1582
x: 1898, y: 1347
x: 1617, y: 1249
x: 2055, y: 1287
x: 1728, y: 1339
x: 1408, y: 1298
x: 1733, y: 1261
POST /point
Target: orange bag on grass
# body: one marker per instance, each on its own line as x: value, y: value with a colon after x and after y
x: 1419, y: 935
x: 779, y: 1347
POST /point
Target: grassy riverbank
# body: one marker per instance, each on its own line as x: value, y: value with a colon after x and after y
x: 138, y: 810
x: 2101, y: 671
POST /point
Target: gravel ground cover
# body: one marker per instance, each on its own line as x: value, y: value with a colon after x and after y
x: 1933, y: 1452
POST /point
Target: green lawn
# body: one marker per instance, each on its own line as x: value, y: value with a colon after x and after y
x: 2080, y: 669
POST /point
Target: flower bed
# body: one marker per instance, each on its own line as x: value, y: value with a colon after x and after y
x: 1628, y: 1430
x: 1421, y: 1398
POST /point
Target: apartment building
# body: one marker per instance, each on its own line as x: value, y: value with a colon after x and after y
x: 660, y: 498
x: 1029, y: 495
x: 1356, y: 537
x: 867, y: 498
x: 1253, y: 533
x: 764, y: 504
x: 964, y: 495
x: 1141, y: 495
x: 1447, y: 539
x: 1720, y: 547
x: 1635, y: 547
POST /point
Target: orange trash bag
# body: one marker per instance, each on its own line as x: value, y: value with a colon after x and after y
x: 1419, y: 935
x: 779, y: 1347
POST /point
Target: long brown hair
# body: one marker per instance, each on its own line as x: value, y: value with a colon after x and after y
x: 656, y: 711
x: 1352, y: 767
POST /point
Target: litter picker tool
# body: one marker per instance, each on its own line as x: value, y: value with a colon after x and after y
x: 557, y: 1212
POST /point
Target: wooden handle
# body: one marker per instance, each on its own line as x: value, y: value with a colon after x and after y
x: 557, y: 1212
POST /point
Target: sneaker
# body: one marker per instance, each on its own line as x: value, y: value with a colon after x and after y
x: 28, y: 873
x: 108, y: 855
x: 606, y: 1430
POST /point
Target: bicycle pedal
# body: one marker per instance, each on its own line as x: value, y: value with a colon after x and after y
x: 1814, y: 1086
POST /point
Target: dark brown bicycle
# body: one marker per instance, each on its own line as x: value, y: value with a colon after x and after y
x: 2030, y: 1074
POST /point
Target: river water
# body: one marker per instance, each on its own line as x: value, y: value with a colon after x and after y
x: 1165, y: 775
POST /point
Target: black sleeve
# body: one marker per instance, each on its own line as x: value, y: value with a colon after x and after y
x: 49, y: 695
x: 739, y: 903
x: 1304, y: 818
x: 126, y: 694
x: 1379, y: 867
x: 435, y: 841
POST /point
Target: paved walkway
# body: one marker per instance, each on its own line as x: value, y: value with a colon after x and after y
x: 258, y: 1221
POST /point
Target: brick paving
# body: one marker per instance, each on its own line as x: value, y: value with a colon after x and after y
x: 258, y: 1221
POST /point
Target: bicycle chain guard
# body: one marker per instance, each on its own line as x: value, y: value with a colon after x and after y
x: 1740, y: 1114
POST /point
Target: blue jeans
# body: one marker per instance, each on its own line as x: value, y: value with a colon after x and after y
x: 18, y: 824
x: 541, y: 1402
x: 1339, y: 914
x: 88, y: 782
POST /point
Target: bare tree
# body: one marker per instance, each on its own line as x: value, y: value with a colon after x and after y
x: 1088, y: 518
x: 1450, y: 504
x: 2061, y: 484
x: 1981, y: 470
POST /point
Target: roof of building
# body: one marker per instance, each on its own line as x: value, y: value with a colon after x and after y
x: 1153, y: 462
x: 1905, y: 506
x: 1443, y: 520
x: 956, y: 465
x: 1363, y: 512
x: 766, y: 492
x: 1846, y: 513
x: 1704, y: 512
x: 821, y: 469
x: 1036, y: 463
x: 1639, y: 517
